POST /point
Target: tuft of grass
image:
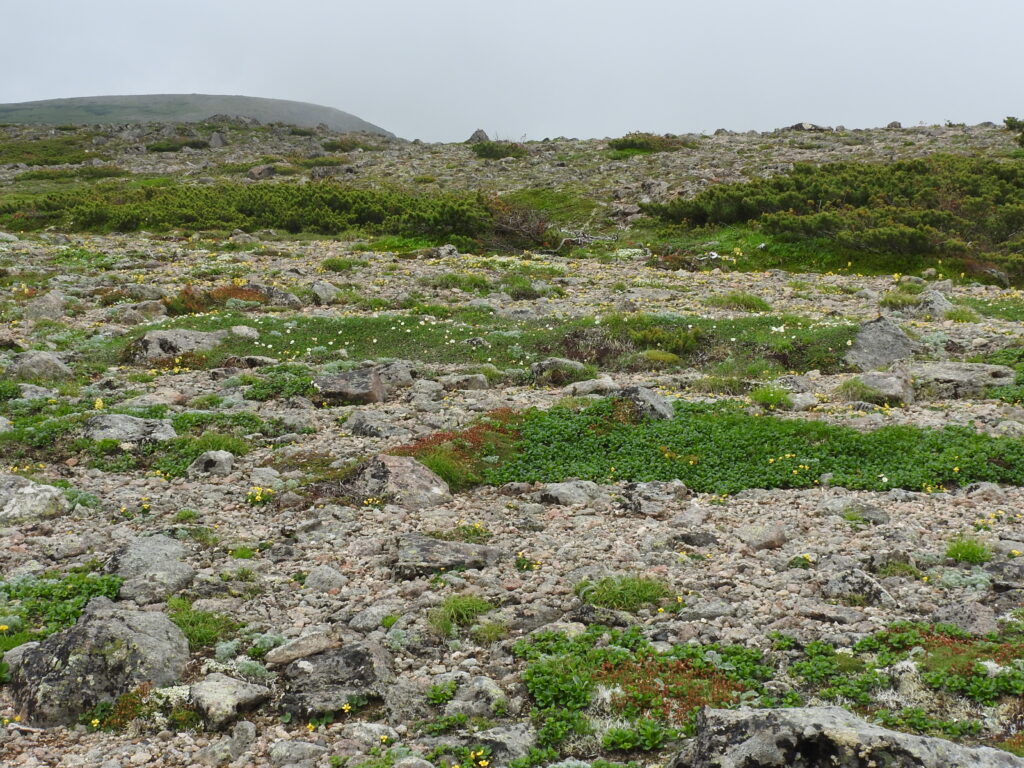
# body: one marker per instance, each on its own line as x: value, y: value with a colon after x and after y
x: 457, y: 611
x: 855, y: 390
x: 771, y: 398
x: 965, y: 549
x: 739, y: 300
x: 496, y: 150
x: 623, y: 593
x: 341, y: 264
x: 202, y: 628
x: 962, y: 315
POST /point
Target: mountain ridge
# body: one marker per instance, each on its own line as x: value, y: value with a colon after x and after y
x: 183, y: 108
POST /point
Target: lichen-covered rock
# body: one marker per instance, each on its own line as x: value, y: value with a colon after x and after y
x: 22, y: 500
x: 420, y: 555
x: 401, y: 480
x: 878, y: 344
x: 957, y: 380
x: 39, y: 365
x: 221, y: 698
x: 647, y: 403
x: 128, y: 429
x: 816, y: 737
x: 110, y: 651
x: 325, y: 682
x: 363, y: 385
x: 153, y: 569
x: 173, y: 343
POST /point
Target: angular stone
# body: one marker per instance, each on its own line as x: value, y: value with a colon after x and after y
x: 49, y: 306
x: 221, y: 698
x: 465, y: 381
x: 362, y: 385
x: 368, y: 423
x: 647, y: 403
x: 815, y: 737
x: 128, y: 429
x: 878, y: 344
x: 759, y: 537
x: 895, y: 387
x: 398, y: 374
x: 401, y: 480
x: 153, y: 569
x: 155, y: 345
x: 420, y: 555
x: 970, y: 616
x: 218, y: 463
x: 324, y: 292
x: 110, y: 651
x: 856, y: 584
x: 602, y: 385
x: 300, y: 648
x: 23, y: 500
x: 261, y: 172
x: 39, y: 365
x: 275, y: 296
x: 323, y: 578
x: 325, y: 682
x: 569, y: 493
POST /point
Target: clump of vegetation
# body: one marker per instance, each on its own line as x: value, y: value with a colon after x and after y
x: 746, y: 302
x: 894, y: 217
x: 854, y: 390
x: 58, y: 150
x: 772, y: 398
x: 342, y: 264
x: 623, y: 593
x: 719, y: 448
x: 36, y: 607
x: 203, y: 629
x: 281, y: 382
x: 496, y: 150
x: 471, y: 533
x: 644, y: 143
x: 1015, y: 125
x: 965, y: 549
x: 457, y: 611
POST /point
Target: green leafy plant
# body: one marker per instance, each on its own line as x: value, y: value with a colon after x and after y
x: 965, y: 549
x: 624, y: 593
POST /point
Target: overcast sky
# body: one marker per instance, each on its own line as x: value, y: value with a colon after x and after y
x: 438, y: 69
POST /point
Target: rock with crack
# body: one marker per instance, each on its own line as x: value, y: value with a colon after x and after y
x: 856, y: 586
x: 325, y: 682
x: 155, y: 345
x: 23, y: 500
x: 878, y: 344
x: 221, y: 698
x: 401, y: 480
x: 420, y: 555
x: 153, y: 569
x: 815, y: 737
x: 128, y: 429
x: 110, y: 651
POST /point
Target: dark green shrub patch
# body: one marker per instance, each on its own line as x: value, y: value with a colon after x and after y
x: 914, y: 212
x: 496, y: 150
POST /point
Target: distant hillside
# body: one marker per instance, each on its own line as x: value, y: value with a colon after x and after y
x: 180, y: 108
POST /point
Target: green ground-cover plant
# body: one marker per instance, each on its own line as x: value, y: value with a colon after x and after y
x: 966, y: 549
x: 35, y: 607
x: 83, y: 173
x: 747, y: 302
x: 722, y: 449
x: 907, y: 215
x: 643, y: 143
x: 1004, y: 308
x: 342, y: 264
x: 57, y: 150
x: 280, y: 382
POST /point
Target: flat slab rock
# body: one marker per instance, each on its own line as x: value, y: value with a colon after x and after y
x: 401, y: 480
x: 816, y: 737
x: 420, y: 555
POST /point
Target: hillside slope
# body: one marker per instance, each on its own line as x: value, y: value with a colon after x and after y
x: 191, y: 107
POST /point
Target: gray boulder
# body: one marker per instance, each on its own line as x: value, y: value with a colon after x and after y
x: 569, y: 493
x: 878, y: 344
x: 557, y: 371
x: 759, y: 537
x: 647, y: 403
x: 895, y: 387
x: 217, y: 463
x: 128, y: 429
x: 230, y: 747
x: 816, y: 737
x: 970, y: 616
x: 173, y: 343
x: 324, y: 292
x: 300, y: 648
x: 367, y: 423
x: 153, y: 569
x: 957, y: 380
x: 22, y: 500
x: 7, y: 237
x: 420, y: 555
x: 479, y: 135
x: 398, y: 374
x: 855, y: 584
x: 275, y: 296
x: 221, y: 698
x: 295, y: 754
x: 401, y: 480
x: 39, y: 365
x: 854, y: 510
x: 49, y: 306
x: 933, y: 304
x: 464, y: 381
x: 110, y: 651
x: 508, y: 742
x: 261, y: 172
x: 360, y: 386
x: 325, y: 682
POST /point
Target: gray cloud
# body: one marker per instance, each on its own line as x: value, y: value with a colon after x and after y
x: 437, y: 70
